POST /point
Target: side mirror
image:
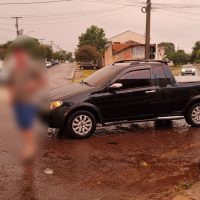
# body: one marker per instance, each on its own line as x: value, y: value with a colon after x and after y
x: 116, y: 86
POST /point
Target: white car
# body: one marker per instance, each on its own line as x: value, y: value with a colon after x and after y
x: 48, y: 64
x: 188, y: 70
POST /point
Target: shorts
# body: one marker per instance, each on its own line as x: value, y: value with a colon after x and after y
x: 25, y: 115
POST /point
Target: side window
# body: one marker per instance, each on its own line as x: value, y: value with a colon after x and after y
x: 160, y: 75
x: 169, y: 76
x: 134, y: 79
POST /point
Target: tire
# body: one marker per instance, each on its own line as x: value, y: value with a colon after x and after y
x: 192, y: 116
x: 81, y: 124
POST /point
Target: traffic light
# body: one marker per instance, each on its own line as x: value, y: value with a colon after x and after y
x: 152, y: 52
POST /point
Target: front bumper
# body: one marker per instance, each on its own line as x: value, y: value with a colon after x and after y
x: 57, y: 117
x: 189, y: 72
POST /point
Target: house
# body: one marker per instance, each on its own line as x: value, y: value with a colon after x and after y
x: 126, y: 46
x: 160, y: 52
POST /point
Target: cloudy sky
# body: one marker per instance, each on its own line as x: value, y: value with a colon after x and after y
x: 177, y: 21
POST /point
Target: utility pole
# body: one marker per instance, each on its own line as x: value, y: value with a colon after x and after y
x: 148, y: 30
x: 51, y: 44
x: 17, y: 25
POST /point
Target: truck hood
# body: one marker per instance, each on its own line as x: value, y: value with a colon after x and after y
x: 70, y: 90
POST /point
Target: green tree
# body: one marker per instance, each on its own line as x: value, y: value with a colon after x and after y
x: 59, y: 55
x: 169, y: 47
x: 196, y: 52
x: 94, y: 36
x: 46, y: 51
x: 3, y: 49
x: 87, y: 53
x: 69, y: 56
x: 62, y: 55
x: 179, y: 57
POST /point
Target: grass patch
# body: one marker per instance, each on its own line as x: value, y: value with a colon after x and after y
x: 176, y: 70
x: 82, y: 74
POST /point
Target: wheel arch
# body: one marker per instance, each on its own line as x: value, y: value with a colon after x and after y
x: 86, y: 107
x: 191, y: 102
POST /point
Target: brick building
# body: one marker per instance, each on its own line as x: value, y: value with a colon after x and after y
x: 126, y: 46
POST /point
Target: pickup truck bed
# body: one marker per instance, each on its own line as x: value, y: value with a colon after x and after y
x: 187, y: 79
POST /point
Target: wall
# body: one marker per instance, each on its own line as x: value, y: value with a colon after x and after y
x: 108, y: 56
x: 123, y: 55
x: 138, y: 52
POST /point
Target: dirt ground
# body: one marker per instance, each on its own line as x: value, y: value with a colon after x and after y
x: 132, y: 161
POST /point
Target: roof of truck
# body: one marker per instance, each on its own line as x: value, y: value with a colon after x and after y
x: 133, y: 62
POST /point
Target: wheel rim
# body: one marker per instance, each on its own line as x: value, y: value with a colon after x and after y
x: 196, y: 115
x: 82, y: 125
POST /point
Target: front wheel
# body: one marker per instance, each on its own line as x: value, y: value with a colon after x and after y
x: 192, y: 117
x: 81, y: 124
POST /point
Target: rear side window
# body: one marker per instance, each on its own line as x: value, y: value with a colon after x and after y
x: 135, y: 79
x: 169, y: 76
x: 160, y: 76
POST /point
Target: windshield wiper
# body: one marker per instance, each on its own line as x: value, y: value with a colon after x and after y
x: 86, y: 83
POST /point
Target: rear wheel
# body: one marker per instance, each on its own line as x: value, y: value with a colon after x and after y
x: 81, y: 124
x: 193, y: 115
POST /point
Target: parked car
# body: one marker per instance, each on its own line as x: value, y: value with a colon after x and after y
x: 48, y: 64
x: 188, y: 70
x: 124, y: 91
x: 54, y: 62
x: 88, y: 65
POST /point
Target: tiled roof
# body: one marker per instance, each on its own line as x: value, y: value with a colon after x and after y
x: 120, y: 47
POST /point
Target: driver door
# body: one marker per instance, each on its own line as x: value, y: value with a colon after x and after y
x: 136, y: 99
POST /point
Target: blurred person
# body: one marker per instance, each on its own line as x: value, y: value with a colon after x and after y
x: 25, y: 82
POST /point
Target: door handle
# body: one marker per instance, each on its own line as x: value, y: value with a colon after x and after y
x: 150, y: 91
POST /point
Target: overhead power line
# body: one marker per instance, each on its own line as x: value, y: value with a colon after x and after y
x: 33, y: 2
x: 186, y: 18
x: 4, y: 29
x: 124, y: 3
x: 174, y: 6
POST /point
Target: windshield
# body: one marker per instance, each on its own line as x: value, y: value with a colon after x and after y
x: 103, y: 76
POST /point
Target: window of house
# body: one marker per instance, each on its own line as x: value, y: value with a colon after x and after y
x: 134, y: 79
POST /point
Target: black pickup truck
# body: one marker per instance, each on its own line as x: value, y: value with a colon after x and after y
x: 124, y: 91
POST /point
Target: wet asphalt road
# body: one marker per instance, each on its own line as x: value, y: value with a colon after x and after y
x: 123, y: 162
x: 60, y: 75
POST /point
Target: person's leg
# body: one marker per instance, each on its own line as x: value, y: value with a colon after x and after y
x: 25, y: 116
x: 29, y: 149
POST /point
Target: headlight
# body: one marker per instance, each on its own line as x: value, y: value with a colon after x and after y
x: 183, y: 70
x: 193, y: 70
x: 55, y: 104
